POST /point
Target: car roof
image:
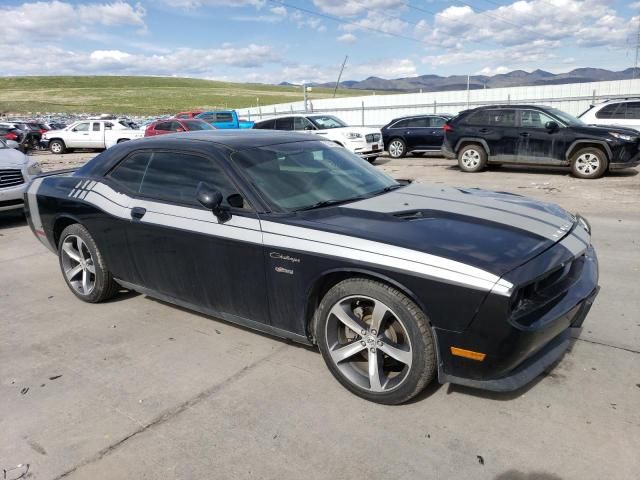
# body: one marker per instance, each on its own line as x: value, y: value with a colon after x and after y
x: 236, y: 139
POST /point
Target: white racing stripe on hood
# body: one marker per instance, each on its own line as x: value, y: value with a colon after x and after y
x: 296, y: 238
x: 419, y: 197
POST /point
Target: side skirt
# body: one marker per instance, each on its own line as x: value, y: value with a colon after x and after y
x: 227, y: 317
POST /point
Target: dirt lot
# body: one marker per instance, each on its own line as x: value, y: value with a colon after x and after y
x: 136, y: 388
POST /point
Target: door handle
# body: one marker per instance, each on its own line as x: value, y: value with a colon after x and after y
x: 524, y: 134
x: 138, y: 212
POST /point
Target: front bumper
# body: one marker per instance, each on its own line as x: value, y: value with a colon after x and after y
x: 12, y: 198
x: 517, y: 350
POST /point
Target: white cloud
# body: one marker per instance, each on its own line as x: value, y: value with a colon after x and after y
x: 493, y: 71
x: 376, y: 22
x: 395, y: 68
x: 347, y: 38
x: 55, y: 19
x: 342, y: 8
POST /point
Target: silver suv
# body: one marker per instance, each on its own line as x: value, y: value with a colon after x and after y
x: 620, y: 113
x: 16, y: 170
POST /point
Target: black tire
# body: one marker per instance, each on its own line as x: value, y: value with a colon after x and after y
x: 57, y: 147
x: 104, y: 286
x: 589, y: 163
x: 397, y: 148
x: 413, y: 378
x: 472, y: 158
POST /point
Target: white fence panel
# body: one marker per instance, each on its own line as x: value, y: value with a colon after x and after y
x: 377, y: 110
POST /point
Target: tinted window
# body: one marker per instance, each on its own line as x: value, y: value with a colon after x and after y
x: 96, y: 127
x: 633, y: 111
x: 197, y: 125
x: 478, y: 118
x: 130, y: 171
x: 418, y: 122
x: 166, y: 126
x: 401, y: 124
x: 285, y: 123
x: 437, y: 122
x: 266, y: 125
x: 174, y: 177
x: 208, y: 117
x: 224, y: 117
x: 502, y: 118
x: 534, y: 119
x: 610, y: 111
x: 301, y: 123
x: 175, y: 126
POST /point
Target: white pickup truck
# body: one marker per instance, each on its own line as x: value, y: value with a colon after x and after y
x: 90, y: 134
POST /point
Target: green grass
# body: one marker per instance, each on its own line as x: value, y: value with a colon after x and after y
x: 141, y: 95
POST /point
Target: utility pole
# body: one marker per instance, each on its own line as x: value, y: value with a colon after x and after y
x: 340, y: 75
x: 635, y: 64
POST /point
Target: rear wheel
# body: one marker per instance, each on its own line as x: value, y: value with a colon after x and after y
x: 472, y: 158
x: 375, y: 341
x: 57, y: 147
x: 589, y: 163
x: 83, y: 267
x: 397, y: 148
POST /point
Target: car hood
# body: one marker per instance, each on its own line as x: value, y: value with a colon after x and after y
x: 10, y: 157
x: 361, y: 130
x: 494, y: 231
x: 604, y: 130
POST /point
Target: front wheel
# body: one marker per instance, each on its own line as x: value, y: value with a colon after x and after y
x: 589, y: 163
x: 57, y: 146
x: 375, y: 341
x: 83, y: 267
x: 397, y: 148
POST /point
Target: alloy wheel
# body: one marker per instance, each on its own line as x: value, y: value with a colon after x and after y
x: 368, y: 343
x: 396, y: 148
x: 587, y: 164
x: 78, y: 265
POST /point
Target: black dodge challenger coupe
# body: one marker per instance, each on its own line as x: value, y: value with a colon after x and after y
x: 395, y: 282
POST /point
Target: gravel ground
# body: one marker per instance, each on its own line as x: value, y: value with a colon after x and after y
x: 136, y: 388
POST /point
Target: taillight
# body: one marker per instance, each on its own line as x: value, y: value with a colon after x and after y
x: 11, y: 136
x: 447, y: 128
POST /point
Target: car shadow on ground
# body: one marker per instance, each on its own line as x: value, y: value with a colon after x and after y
x: 12, y: 219
x: 518, y: 475
x: 536, y: 170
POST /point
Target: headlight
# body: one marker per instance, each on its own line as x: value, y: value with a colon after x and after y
x: 583, y: 222
x: 352, y: 135
x: 34, y: 169
x: 622, y: 136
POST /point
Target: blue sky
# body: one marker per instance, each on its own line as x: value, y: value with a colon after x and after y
x: 294, y: 40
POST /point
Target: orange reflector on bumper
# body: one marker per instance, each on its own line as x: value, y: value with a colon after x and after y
x: 461, y: 352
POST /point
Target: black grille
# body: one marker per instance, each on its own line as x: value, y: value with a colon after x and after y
x: 10, y: 178
x: 372, y: 137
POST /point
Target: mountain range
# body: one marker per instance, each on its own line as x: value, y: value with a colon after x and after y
x: 516, y: 78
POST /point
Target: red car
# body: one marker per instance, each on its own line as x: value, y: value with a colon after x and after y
x: 188, y: 114
x: 173, y: 125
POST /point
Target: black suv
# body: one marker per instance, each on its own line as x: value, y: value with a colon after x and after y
x: 417, y: 134
x: 533, y: 135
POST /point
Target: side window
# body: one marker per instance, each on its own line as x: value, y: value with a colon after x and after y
x: 401, y: 124
x: 130, y: 171
x: 417, y: 122
x: 174, y: 126
x: 224, y: 117
x: 480, y: 117
x: 174, y: 177
x: 285, y: 123
x: 609, y: 111
x: 534, y: 119
x: 437, y: 122
x: 81, y: 127
x: 633, y: 111
x: 301, y: 123
x: 266, y: 125
x: 502, y: 118
x: 166, y: 126
x: 207, y: 117
x: 95, y: 127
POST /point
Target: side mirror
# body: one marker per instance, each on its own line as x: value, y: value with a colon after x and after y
x: 212, y: 200
x: 551, y: 126
x: 309, y: 127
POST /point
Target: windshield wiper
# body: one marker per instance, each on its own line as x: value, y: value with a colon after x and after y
x: 328, y: 203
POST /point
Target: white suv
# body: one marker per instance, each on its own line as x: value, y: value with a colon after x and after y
x: 16, y: 170
x: 619, y: 113
x: 363, y: 141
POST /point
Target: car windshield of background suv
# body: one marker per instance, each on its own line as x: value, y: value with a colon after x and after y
x: 326, y: 122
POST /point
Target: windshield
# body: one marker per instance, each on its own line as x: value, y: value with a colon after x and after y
x: 197, y: 125
x: 2, y: 144
x: 566, y: 118
x: 302, y: 175
x: 324, y: 122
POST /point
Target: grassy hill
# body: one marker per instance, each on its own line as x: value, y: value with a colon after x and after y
x: 141, y: 95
